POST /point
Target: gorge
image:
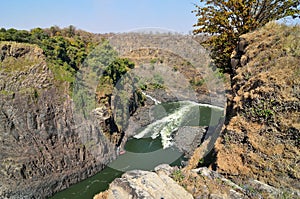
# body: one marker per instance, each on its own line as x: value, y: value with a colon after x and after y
x: 61, y: 122
x: 146, y: 152
x: 50, y: 140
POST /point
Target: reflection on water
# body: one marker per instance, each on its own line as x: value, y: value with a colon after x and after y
x: 91, y: 186
x: 143, y: 154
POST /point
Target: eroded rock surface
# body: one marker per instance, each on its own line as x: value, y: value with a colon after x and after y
x: 206, y: 183
x: 187, y: 139
x: 145, y: 184
x: 171, y: 183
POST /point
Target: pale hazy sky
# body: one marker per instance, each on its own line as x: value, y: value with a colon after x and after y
x: 99, y: 15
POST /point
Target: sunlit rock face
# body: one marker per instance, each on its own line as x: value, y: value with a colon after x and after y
x: 146, y: 184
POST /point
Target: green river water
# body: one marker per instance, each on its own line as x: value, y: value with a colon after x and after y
x: 148, y: 151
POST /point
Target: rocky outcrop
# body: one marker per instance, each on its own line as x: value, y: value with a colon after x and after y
x: 146, y: 184
x: 168, y: 182
x: 261, y: 138
x: 205, y: 183
x: 45, y: 146
x: 187, y: 139
x: 238, y: 59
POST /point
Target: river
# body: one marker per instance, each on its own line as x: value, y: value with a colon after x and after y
x: 151, y: 146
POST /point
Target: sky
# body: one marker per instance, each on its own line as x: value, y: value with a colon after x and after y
x: 99, y: 16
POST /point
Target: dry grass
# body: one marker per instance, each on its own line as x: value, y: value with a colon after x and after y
x: 262, y: 142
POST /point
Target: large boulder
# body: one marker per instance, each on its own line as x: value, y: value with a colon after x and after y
x: 145, y: 184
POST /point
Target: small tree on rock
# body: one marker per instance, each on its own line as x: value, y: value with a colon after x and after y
x: 226, y: 20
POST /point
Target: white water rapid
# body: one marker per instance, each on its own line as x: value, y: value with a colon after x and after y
x: 152, y: 98
x: 165, y: 126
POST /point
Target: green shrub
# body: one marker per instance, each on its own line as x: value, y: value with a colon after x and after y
x: 177, y: 176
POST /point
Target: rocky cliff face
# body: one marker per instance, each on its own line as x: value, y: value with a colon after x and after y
x: 261, y: 139
x: 44, y: 145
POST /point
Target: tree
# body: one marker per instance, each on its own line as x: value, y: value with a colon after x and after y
x: 37, y: 35
x: 226, y: 20
x: 117, y: 69
x: 101, y: 57
x: 54, y: 30
x: 70, y: 31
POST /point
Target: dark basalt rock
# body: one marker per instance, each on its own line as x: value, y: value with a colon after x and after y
x: 187, y: 139
x: 44, y: 145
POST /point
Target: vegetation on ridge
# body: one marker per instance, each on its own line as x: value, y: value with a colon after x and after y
x: 65, y: 49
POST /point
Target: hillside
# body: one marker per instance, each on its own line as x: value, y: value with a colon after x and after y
x: 261, y: 138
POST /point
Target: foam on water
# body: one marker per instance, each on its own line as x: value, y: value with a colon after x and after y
x: 152, y: 98
x: 165, y: 126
